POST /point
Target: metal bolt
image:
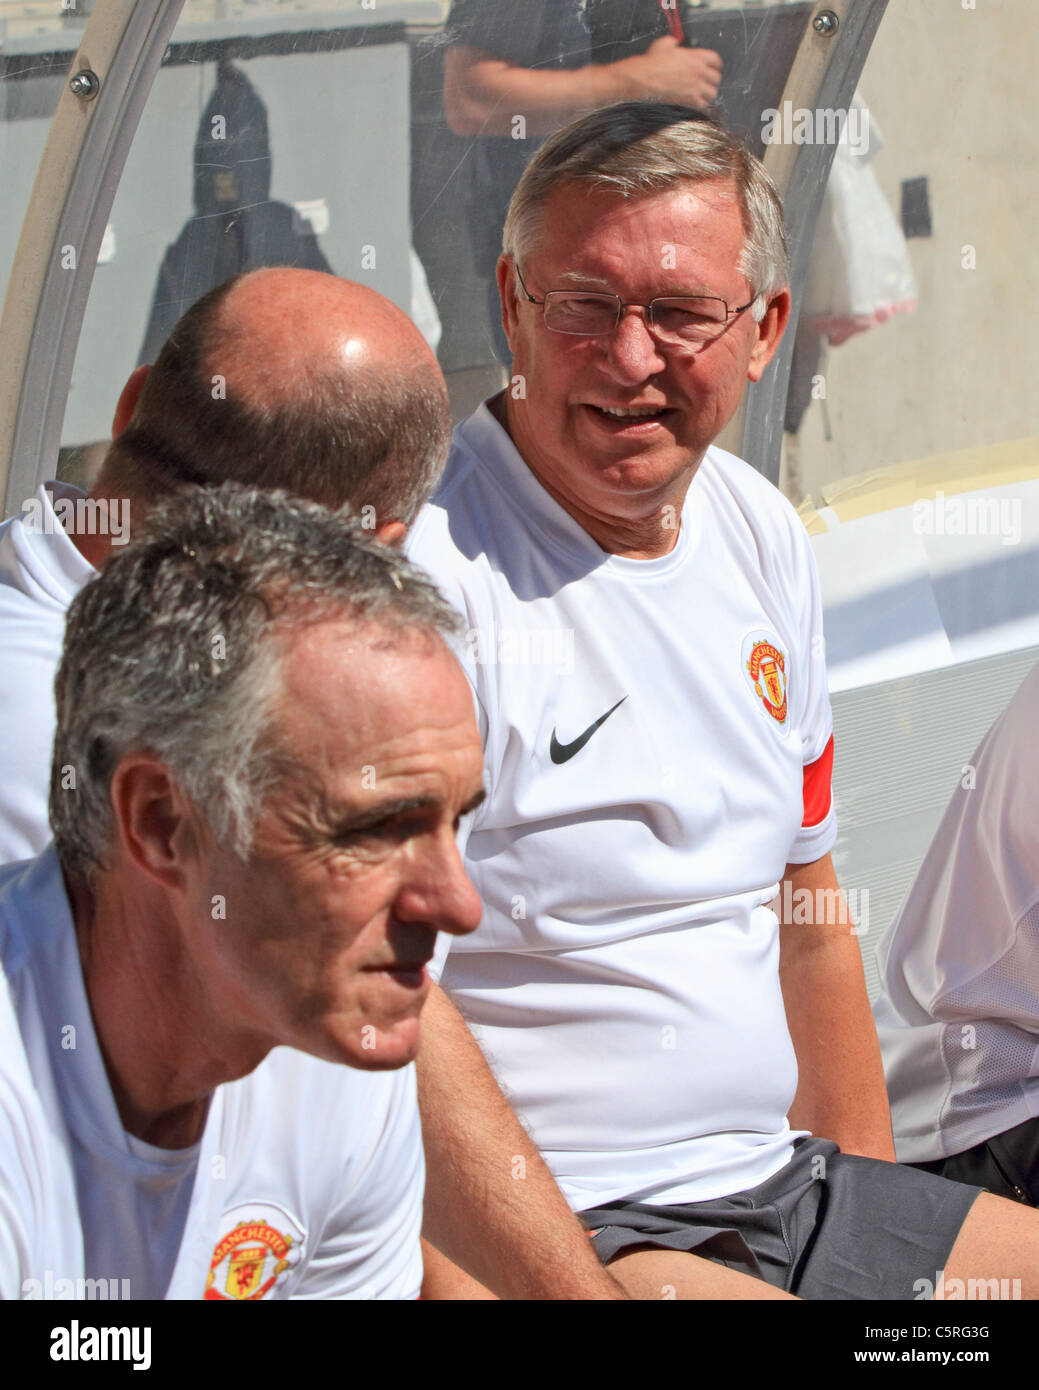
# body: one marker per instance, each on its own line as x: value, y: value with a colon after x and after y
x: 85, y: 84
x: 825, y: 22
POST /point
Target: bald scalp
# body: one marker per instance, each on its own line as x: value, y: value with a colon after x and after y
x: 312, y: 327
x: 291, y: 379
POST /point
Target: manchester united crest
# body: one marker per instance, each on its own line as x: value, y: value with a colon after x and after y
x: 255, y: 1254
x: 765, y: 664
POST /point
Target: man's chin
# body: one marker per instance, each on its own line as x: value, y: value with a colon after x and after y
x: 373, y: 1047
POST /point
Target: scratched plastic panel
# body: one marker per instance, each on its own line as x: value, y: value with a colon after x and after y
x: 37, y: 41
x: 275, y: 133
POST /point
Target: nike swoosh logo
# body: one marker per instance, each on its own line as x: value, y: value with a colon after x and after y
x: 563, y: 752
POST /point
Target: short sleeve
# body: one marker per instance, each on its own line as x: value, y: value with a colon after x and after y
x: 818, y: 832
x: 538, y: 33
x: 478, y: 23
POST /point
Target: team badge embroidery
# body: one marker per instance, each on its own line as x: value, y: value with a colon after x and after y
x: 765, y: 664
x: 255, y: 1253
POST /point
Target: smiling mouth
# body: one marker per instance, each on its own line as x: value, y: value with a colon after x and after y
x: 634, y: 414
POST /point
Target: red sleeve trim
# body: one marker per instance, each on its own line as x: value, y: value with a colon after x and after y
x: 817, y: 795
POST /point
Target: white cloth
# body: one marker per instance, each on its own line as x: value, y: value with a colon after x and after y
x: 624, y: 981
x: 307, y: 1181
x: 959, y: 1017
x: 41, y: 571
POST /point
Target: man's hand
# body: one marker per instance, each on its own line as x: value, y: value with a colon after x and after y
x: 492, y: 1206
x: 840, y: 1093
x: 668, y: 72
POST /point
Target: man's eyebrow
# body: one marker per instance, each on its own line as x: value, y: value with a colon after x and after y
x: 588, y: 281
x: 349, y: 822
x: 374, y: 814
x: 580, y: 278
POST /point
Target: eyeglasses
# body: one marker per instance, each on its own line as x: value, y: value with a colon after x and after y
x: 688, y: 321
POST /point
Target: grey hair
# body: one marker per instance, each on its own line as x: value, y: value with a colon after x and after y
x: 176, y: 648
x: 636, y: 148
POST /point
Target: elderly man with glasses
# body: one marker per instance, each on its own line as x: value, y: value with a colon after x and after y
x: 665, y: 980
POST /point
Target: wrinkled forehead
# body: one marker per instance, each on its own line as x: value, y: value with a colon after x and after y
x: 691, y: 233
x: 579, y: 215
x: 365, y: 678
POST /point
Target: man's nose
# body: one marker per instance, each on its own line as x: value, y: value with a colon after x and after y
x: 632, y: 352
x: 437, y: 891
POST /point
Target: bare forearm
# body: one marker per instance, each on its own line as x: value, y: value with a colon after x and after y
x: 443, y: 1281
x: 492, y: 1206
x: 483, y: 95
x: 841, y: 1093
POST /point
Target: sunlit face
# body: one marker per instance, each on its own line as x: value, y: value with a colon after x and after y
x: 354, y: 867
x: 683, y: 242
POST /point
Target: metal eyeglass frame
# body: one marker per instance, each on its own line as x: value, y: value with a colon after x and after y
x: 651, y: 325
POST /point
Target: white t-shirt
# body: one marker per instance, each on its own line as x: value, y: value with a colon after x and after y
x: 959, y: 1018
x: 41, y: 571
x: 307, y: 1181
x: 648, y: 725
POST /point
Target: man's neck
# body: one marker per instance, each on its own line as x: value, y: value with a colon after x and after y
x: 94, y: 549
x: 107, y: 523
x: 647, y: 535
x: 164, y: 1046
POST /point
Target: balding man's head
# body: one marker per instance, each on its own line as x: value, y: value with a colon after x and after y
x: 291, y: 379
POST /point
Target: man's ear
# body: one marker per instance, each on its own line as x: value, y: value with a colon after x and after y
x: 128, y: 400
x: 391, y: 533
x: 506, y: 274
x: 156, y: 825
x: 770, y: 331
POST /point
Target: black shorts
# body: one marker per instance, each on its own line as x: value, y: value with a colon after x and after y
x: 827, y: 1225
x: 1007, y: 1164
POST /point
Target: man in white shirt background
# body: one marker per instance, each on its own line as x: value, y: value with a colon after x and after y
x: 958, y: 1017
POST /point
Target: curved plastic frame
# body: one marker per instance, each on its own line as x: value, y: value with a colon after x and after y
x: 123, y: 44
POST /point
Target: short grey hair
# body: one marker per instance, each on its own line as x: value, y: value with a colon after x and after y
x: 635, y: 148
x: 176, y: 648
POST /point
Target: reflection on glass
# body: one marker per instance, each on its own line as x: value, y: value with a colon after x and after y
x: 276, y: 133
x: 236, y: 225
